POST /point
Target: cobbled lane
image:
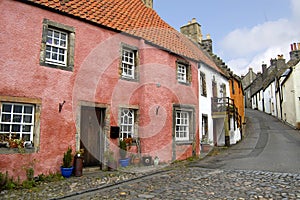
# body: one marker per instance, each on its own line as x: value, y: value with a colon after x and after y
x: 200, y: 183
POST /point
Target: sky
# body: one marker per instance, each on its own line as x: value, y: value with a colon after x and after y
x: 245, y: 33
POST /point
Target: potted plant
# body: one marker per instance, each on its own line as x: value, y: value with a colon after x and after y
x: 4, y: 142
x: 205, y: 144
x: 111, y: 162
x: 67, y: 167
x: 124, y: 162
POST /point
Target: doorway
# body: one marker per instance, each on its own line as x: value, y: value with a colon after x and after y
x: 92, y: 135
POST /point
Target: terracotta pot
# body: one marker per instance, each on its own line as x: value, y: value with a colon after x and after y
x: 13, y: 145
x: 136, y: 161
x: 205, y: 147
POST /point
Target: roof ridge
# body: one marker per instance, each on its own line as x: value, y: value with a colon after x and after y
x: 130, y: 17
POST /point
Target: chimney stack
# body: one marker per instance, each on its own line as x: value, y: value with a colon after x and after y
x: 207, y: 44
x: 295, y: 51
x: 192, y: 30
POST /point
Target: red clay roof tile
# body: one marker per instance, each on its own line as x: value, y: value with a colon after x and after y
x: 134, y: 18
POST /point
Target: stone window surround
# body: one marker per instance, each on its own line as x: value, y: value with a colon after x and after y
x: 71, y: 44
x: 191, y: 110
x: 36, y: 129
x: 188, y: 71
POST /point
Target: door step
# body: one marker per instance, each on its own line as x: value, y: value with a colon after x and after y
x: 91, y: 169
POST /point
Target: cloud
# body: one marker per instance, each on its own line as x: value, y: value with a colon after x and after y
x: 295, y: 5
x: 249, y: 47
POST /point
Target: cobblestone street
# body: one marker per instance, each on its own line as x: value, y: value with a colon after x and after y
x: 256, y: 168
x: 199, y: 183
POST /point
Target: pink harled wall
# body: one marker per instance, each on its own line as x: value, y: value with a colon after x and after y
x: 95, y: 78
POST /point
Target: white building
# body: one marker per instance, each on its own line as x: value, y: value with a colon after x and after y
x: 269, y: 98
x: 289, y: 95
x: 211, y: 84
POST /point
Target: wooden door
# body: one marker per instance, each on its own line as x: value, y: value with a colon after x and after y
x: 214, y: 89
x: 91, y: 135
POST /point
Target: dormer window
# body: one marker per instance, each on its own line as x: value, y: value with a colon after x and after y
x: 183, y: 72
x: 129, y: 63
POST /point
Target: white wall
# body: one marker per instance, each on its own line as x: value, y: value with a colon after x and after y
x: 205, y: 102
x: 260, y: 100
x: 270, y: 99
x: 291, y: 94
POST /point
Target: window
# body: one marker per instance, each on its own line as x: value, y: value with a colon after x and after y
x: 203, y: 84
x: 182, y: 126
x: 129, y: 62
x: 204, y: 126
x: 232, y: 86
x: 17, y: 120
x: 127, y: 123
x: 183, y: 117
x: 183, y: 72
x: 57, y: 45
x: 223, y: 90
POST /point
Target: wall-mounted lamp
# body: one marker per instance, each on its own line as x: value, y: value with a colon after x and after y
x: 61, y: 106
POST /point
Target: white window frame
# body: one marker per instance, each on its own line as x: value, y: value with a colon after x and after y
x: 13, y: 115
x: 182, y: 73
x: 127, y: 121
x: 128, y: 63
x: 58, y: 43
x: 182, y: 125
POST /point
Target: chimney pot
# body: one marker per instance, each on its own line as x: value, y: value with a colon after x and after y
x: 208, y: 36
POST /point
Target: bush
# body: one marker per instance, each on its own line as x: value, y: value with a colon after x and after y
x: 6, y: 182
x: 67, y: 159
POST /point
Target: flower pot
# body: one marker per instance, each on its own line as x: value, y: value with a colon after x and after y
x: 13, y: 145
x: 124, y: 162
x: 66, y: 172
x: 205, y: 148
x: 135, y: 161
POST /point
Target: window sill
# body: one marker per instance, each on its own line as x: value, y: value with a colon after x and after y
x: 184, y: 142
x: 184, y: 83
x: 129, y: 79
x: 66, y: 68
x: 17, y: 151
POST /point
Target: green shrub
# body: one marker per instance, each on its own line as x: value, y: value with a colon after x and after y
x: 67, y: 159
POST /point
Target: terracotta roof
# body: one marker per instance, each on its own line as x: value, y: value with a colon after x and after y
x: 134, y: 18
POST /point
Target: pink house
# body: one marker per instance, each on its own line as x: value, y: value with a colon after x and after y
x: 87, y: 74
